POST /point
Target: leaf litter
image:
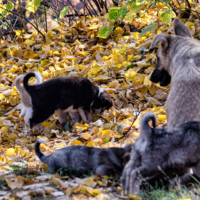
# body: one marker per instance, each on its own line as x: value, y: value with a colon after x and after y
x: 121, y: 64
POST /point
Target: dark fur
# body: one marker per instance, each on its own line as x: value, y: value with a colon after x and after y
x: 168, y: 148
x: 61, y: 93
x: 160, y: 75
x: 85, y: 159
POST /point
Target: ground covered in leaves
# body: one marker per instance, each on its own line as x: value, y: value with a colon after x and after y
x: 121, y: 64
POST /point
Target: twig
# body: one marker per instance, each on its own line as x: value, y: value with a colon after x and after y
x: 28, y: 22
x: 21, y: 15
x: 95, y: 12
x: 73, y: 7
x: 189, y: 6
x: 136, y: 116
x: 85, y: 6
x: 45, y: 15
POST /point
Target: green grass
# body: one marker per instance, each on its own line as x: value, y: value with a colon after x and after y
x: 177, y: 193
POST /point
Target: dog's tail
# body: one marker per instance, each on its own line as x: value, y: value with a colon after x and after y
x: 17, y: 83
x: 145, y: 129
x: 37, y: 75
x: 40, y: 155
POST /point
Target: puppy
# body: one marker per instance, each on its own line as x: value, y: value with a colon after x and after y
x: 85, y: 159
x: 178, y: 62
x: 71, y: 95
x: 27, y: 104
x: 24, y: 96
x: 165, y: 148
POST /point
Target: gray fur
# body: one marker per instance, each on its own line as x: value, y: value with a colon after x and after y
x: 85, y: 159
x: 166, y: 148
x: 179, y: 55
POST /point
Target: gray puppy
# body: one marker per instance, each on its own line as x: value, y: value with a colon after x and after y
x: 162, y: 148
x: 178, y: 61
x: 109, y: 161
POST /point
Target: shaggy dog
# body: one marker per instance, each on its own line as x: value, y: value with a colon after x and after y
x: 72, y: 95
x: 108, y: 161
x: 179, y: 62
x: 162, y: 148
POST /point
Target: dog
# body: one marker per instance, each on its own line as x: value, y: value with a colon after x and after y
x: 27, y: 104
x: 178, y: 62
x: 108, y: 161
x: 71, y: 94
x: 164, y: 148
x: 24, y: 96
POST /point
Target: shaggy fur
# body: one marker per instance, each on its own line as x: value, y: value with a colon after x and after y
x: 179, y: 58
x: 163, y: 148
x: 70, y: 95
x: 85, y: 159
x: 24, y: 96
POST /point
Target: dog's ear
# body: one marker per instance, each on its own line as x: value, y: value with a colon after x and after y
x: 164, y: 39
x: 181, y: 29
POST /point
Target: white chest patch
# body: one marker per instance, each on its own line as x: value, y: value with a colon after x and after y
x: 101, y: 90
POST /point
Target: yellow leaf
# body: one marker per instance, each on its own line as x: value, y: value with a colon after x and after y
x: 135, y: 134
x: 130, y: 74
x: 62, y: 145
x: 31, y: 7
x: 90, y: 182
x: 45, y: 124
x: 81, y: 127
x: 146, y: 80
x: 134, y: 197
x: 29, y: 42
x: 14, y: 181
x: 76, y: 142
x: 40, y: 69
x: 136, y: 35
x: 44, y: 62
x: 58, y: 182
x: 162, y: 117
x: 96, y: 70
x: 18, y: 32
x: 96, y: 192
x: 106, y: 134
x: 92, y: 144
x: 86, y: 136
x: 10, y: 152
x: 49, y: 36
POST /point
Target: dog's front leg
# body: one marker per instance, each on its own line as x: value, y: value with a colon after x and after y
x: 89, y: 115
x: 82, y: 114
x: 75, y: 117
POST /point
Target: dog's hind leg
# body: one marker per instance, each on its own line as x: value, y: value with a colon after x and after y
x: 23, y: 112
x: 28, y: 115
x: 62, y: 116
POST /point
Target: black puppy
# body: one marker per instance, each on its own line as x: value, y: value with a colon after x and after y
x: 109, y: 161
x: 72, y: 95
